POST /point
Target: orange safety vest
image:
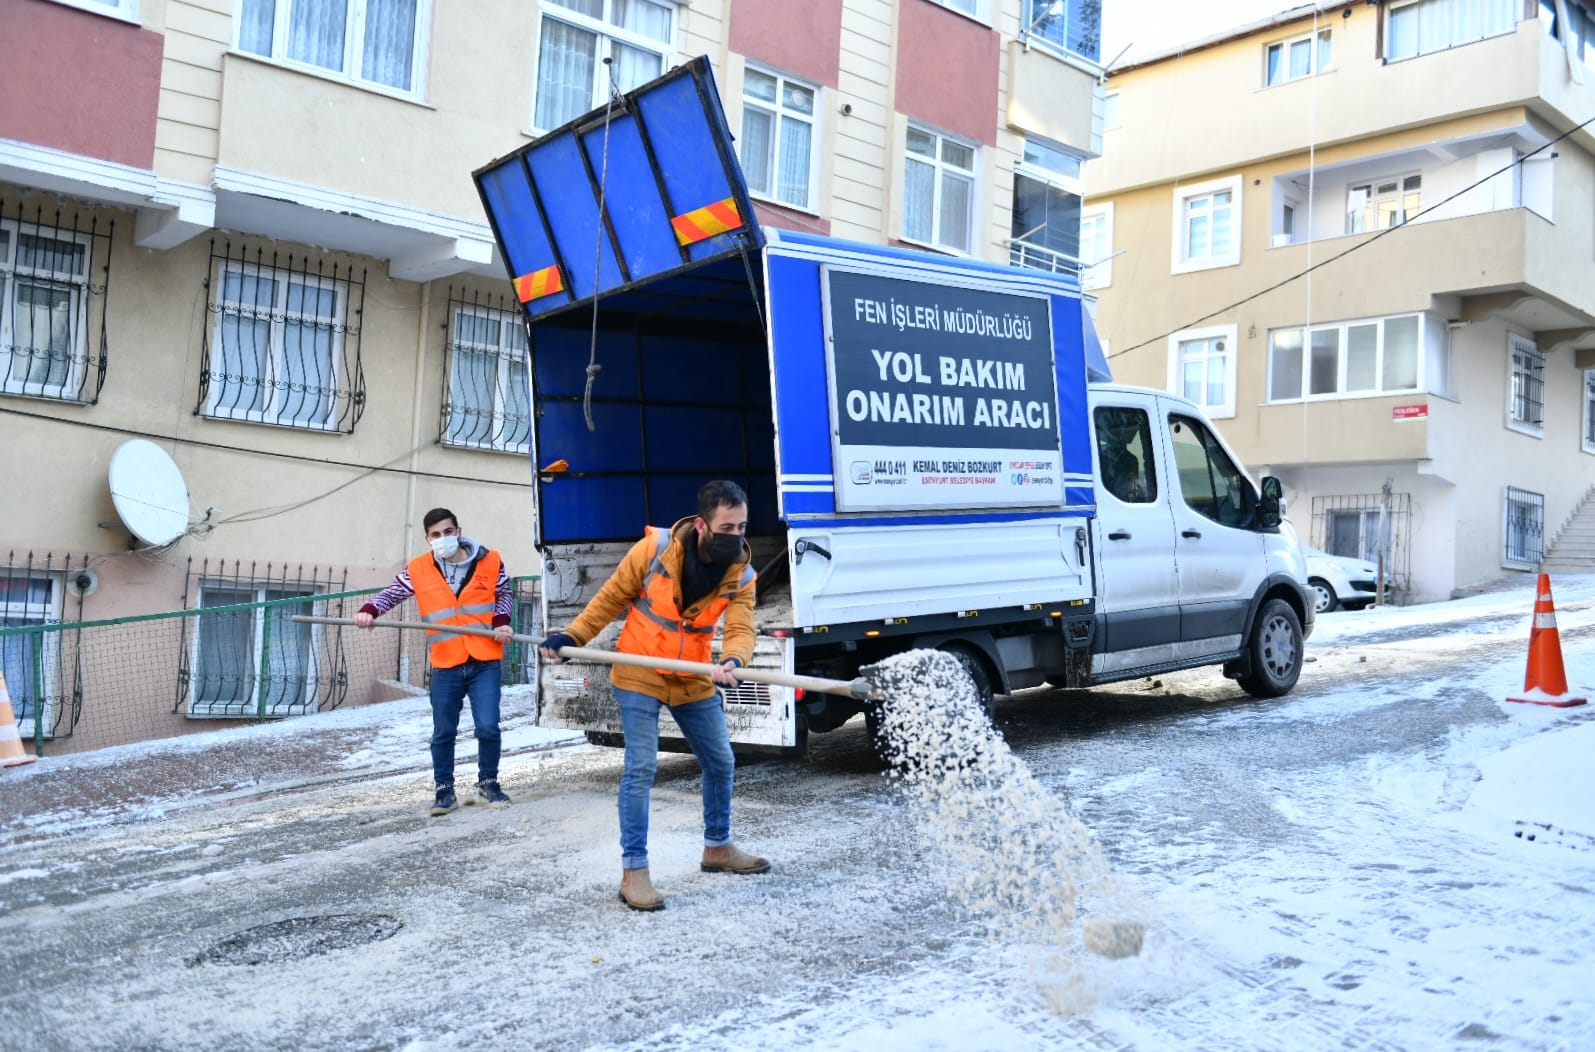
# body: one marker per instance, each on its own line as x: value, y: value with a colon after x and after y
x: 473, y: 606
x: 655, y: 627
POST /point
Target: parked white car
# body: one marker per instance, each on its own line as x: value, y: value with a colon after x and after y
x: 1339, y: 583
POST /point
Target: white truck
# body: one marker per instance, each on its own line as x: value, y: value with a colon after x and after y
x: 933, y: 453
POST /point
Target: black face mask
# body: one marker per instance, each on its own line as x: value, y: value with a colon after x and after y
x: 722, y: 547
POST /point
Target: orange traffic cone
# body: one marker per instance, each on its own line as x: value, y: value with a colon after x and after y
x: 1546, y: 682
x: 12, y: 754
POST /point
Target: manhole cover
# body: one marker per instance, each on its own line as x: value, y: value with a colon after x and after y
x: 299, y: 937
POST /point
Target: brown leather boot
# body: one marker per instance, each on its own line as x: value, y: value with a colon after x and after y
x: 637, y: 891
x: 728, y: 858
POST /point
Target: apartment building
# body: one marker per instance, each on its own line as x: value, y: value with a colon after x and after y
x: 1360, y: 235
x: 246, y: 232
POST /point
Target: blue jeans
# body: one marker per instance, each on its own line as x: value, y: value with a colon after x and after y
x: 703, y: 724
x: 479, y: 681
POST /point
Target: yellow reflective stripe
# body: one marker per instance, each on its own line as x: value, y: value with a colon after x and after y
x: 477, y: 608
x: 441, y: 615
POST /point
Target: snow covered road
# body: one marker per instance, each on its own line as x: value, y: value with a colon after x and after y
x: 1391, y: 857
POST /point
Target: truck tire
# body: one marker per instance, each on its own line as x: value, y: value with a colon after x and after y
x: 976, y: 667
x: 1274, y: 651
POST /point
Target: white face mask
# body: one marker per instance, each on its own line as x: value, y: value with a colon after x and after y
x: 444, y: 547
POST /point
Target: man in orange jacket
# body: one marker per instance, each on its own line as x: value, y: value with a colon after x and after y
x: 457, y: 582
x: 676, y: 585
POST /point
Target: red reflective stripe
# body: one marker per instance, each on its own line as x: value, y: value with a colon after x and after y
x: 539, y: 283
x: 703, y: 223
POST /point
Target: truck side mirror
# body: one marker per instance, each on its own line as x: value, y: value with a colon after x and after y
x: 1272, y: 509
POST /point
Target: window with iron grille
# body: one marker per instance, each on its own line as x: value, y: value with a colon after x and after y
x: 486, y: 400
x: 30, y: 662
x: 284, y: 344
x: 48, y: 298
x: 1525, y: 528
x: 1589, y: 411
x: 1526, y: 408
x: 244, y: 656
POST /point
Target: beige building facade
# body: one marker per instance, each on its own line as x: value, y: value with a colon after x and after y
x: 246, y: 231
x: 1360, y: 234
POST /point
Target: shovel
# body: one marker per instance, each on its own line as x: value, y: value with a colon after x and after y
x: 1105, y: 937
x: 857, y: 688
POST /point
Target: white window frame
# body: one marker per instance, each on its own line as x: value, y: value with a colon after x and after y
x: 608, y: 33
x: 1064, y: 174
x: 779, y: 114
x: 1525, y: 384
x: 975, y: 9
x: 353, y: 47
x: 1220, y: 341
x: 1587, y: 439
x: 1453, y: 37
x: 122, y: 10
x: 194, y: 705
x: 1316, y: 63
x: 511, y: 346
x: 1363, y: 218
x: 11, y: 276
x: 216, y: 395
x: 16, y: 614
x: 1342, y: 329
x: 1096, y: 256
x: 941, y: 171
x: 1184, y: 199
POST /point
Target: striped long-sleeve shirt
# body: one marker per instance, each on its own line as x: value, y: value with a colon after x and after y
x: 402, y: 588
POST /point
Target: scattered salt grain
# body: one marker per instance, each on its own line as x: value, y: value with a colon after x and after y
x: 1006, y: 849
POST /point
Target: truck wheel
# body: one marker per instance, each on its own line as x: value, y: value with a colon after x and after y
x: 1274, y: 650
x: 984, y: 693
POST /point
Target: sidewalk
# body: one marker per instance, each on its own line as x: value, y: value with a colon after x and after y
x: 57, y: 794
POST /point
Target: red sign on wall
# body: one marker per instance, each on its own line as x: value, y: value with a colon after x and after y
x: 1410, y: 412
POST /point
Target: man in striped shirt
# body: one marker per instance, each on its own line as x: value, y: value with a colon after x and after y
x: 458, y: 582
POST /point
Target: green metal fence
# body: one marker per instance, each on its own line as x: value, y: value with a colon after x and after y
x: 89, y: 684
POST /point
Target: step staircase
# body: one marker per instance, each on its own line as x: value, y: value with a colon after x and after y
x: 1573, y: 550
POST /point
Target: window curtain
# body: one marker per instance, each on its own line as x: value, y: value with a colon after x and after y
x: 256, y: 21
x: 240, y: 362
x: 473, y: 375
x: 288, y: 663
x: 389, y: 42
x: 565, y: 61
x: 795, y: 145
x: 42, y: 325
x: 919, y: 196
x: 644, y: 17
x: 1284, y: 365
x: 517, y: 404
x: 306, y: 381
x: 956, y: 194
x: 315, y: 32
x: 224, y: 672
x: 758, y: 132
x: 1401, y: 354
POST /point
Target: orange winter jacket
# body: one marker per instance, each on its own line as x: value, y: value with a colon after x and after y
x: 647, y: 585
x: 473, y: 606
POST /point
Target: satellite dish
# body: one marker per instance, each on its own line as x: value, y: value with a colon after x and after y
x: 149, y: 492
